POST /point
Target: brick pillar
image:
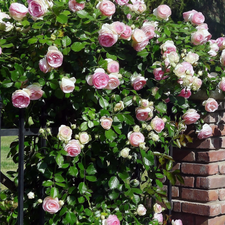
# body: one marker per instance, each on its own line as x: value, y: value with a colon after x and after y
x: 201, y: 199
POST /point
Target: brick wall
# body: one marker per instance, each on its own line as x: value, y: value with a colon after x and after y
x: 201, y: 199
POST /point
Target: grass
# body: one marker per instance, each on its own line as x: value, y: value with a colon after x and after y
x: 7, y: 164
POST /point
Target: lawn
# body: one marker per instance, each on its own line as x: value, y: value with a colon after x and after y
x: 7, y: 164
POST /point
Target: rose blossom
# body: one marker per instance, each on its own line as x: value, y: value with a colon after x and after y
x: 6, y: 26
x: 107, y: 38
x: 114, y: 82
x: 136, y: 138
x: 222, y: 84
x: 35, y: 90
x: 144, y: 113
x: 138, y: 82
x: 200, y: 37
x: 187, y: 15
x: 126, y: 35
x: 124, y: 152
x: 191, y: 57
x: 196, y: 84
x: 30, y: 195
x: 106, y: 122
x: 157, y: 124
x: 168, y: 47
x: 145, y: 103
x: 157, y: 208
x: 37, y: 8
x: 141, y: 210
x: 177, y: 222
x: 148, y: 29
x: 112, y: 220
x: 138, y: 35
x: 211, y: 105
x: 64, y: 133
x: 205, y: 132
x: 89, y: 79
x: 100, y: 79
x: 118, y: 27
x: 119, y: 106
x: 152, y: 135
x: 67, y: 84
x: 190, y: 117
x: 171, y: 58
x: 158, y: 73
x: 18, y: 11
x: 112, y: 66
x: 21, y: 98
x: 197, y: 18
x: 43, y: 65
x: 222, y: 58
x: 107, y: 8
x: 186, y: 93
x: 162, y: 12
x: 75, y: 6
x: 73, y: 148
x: 214, y: 48
x: 84, y: 138
x: 221, y: 42
x: 54, y: 57
x: 51, y: 205
x: 122, y: 2
x: 158, y: 217
x: 139, y: 46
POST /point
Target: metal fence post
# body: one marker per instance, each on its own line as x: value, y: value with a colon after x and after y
x: 21, y: 166
x: 0, y: 136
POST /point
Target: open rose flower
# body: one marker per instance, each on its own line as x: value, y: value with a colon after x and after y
x: 106, y: 122
x: 112, y: 66
x: 37, y: 8
x: 191, y: 116
x: 126, y: 35
x: 35, y: 90
x: 149, y: 30
x: 21, y: 98
x: 200, y: 37
x: 119, y: 106
x: 114, y: 82
x: 186, y: 93
x: 138, y: 82
x: 84, y: 138
x: 139, y: 46
x: 168, y: 47
x: 211, y: 105
x: 144, y: 113
x: 44, y: 66
x: 197, y: 18
x: 177, y: 222
x: 100, y: 79
x: 222, y: 84
x: 112, y: 220
x: 221, y: 42
x: 139, y: 35
x: 122, y: 2
x: 75, y: 6
x: 158, y: 217
x: 205, y: 132
x: 51, y: 205
x: 107, y: 8
x: 136, y: 138
x: 73, y: 148
x: 157, y: 124
x: 158, y: 208
x: 191, y: 57
x: 162, y: 12
x: 6, y: 26
x: 107, y: 38
x: 141, y: 210
x: 18, y: 11
x: 222, y: 58
x: 64, y: 133
x: 196, y: 84
x: 54, y: 57
x: 188, y: 15
x: 67, y: 84
x: 118, y: 27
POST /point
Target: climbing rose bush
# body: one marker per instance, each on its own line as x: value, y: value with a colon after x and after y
x: 111, y: 85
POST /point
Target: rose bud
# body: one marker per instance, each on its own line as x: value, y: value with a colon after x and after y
x: 141, y: 210
x: 119, y: 106
x: 67, y: 84
x: 158, y: 208
x: 51, y: 205
x: 124, y: 152
x: 30, y: 195
x: 158, y: 217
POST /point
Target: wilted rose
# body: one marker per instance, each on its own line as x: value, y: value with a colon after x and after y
x: 54, y: 57
x: 51, y: 205
x: 75, y: 6
x: 205, y: 132
x: 21, y: 98
x: 190, y: 117
x: 106, y: 122
x: 35, y: 90
x: 67, y: 84
x: 135, y: 138
x: 141, y: 210
x: 73, y: 148
x: 211, y: 105
x: 18, y: 11
x: 64, y: 133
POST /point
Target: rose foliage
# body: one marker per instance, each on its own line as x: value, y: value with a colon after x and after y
x: 116, y: 81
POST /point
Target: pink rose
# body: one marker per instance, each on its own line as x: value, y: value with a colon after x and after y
x: 107, y: 8
x: 21, y: 98
x: 222, y: 84
x: 162, y: 12
x: 183, y: 69
x: 203, y: 26
x: 113, y: 66
x: 158, y: 217
x: 138, y: 82
x: 186, y: 93
x: 149, y: 30
x: 51, y: 205
x: 211, y: 105
x: 54, y: 57
x: 126, y: 35
x: 158, y: 73
x: 37, y: 8
x: 191, y: 57
x: 187, y: 15
x: 100, y: 79
x: 157, y: 124
x: 114, y: 82
x: 205, y: 132
x: 177, y: 222
x: 36, y: 91
x: 18, y: 11
x: 141, y: 210
x: 190, y: 117
x: 157, y: 208
x: 221, y: 42
x: 112, y: 220
x: 64, y: 133
x: 139, y: 35
x: 144, y: 113
x: 118, y: 27
x: 122, y: 2
x: 106, y: 122
x: 67, y: 84
x: 73, y: 148
x: 136, y: 138
x: 139, y: 46
x: 197, y: 18
x: 222, y: 58
x: 89, y: 80
x: 43, y: 65
x: 200, y: 37
x: 168, y: 47
x: 75, y: 6
x: 107, y: 38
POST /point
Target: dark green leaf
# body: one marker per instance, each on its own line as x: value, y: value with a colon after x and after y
x: 113, y: 182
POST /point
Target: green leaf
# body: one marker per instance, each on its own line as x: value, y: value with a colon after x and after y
x: 128, y: 119
x: 161, y: 107
x: 54, y: 192
x: 84, y: 126
x: 113, y: 182
x: 91, y: 178
x: 70, y: 218
x: 42, y: 167
x: 159, y: 183
x: 110, y: 135
x: 103, y: 103
x: 128, y: 100
x: 91, y: 169
x: 159, y: 175
x: 113, y: 57
x: 61, y: 18
x: 143, y: 53
x: 82, y: 14
x: 114, y: 195
x: 32, y: 41
x: 90, y: 124
x: 59, y: 178
x: 59, y: 160
x: 82, y: 188
x: 47, y: 183
x: 136, y: 199
x: 66, y: 41
x: 78, y: 46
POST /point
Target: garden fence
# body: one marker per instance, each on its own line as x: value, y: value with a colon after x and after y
x: 21, y: 132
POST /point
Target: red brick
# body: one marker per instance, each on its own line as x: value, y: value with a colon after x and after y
x: 199, y: 169
x: 216, y: 181
x: 222, y: 205
x: 201, y: 220
x: 176, y: 206
x: 175, y: 191
x: 222, y: 168
x: 187, y: 219
x: 183, y: 155
x: 206, y: 209
x: 176, y: 167
x: 188, y: 182
x: 221, y: 193
x: 217, y: 130
x: 199, y: 195
x: 211, y: 156
x: 211, y: 118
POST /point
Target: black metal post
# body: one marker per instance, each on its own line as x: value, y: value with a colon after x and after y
x: 21, y: 166
x: 0, y: 137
